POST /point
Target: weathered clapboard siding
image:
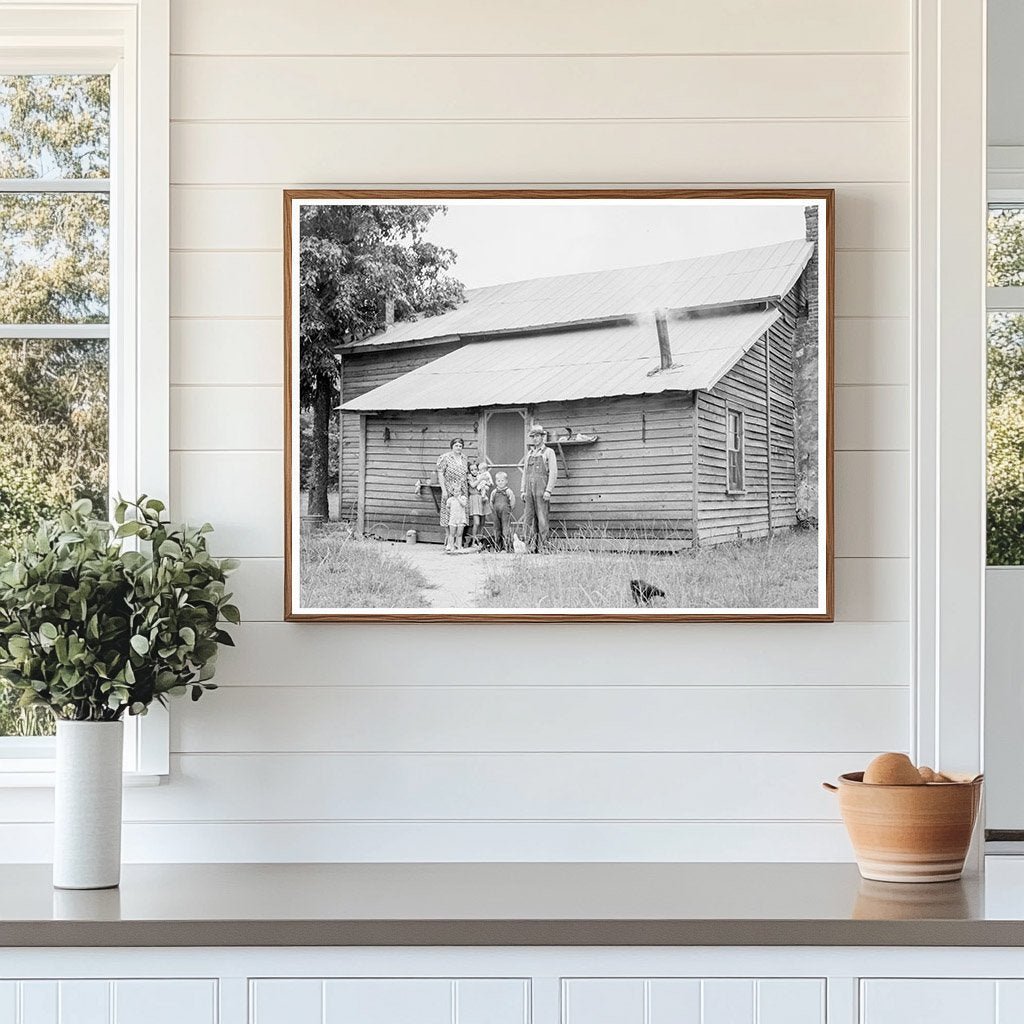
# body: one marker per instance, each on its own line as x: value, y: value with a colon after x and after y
x: 395, y: 462
x: 362, y: 372
x: 635, y: 481
x: 637, y: 478
x: 761, y: 386
x: 722, y: 515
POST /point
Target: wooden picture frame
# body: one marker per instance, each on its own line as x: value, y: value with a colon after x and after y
x: 729, y: 308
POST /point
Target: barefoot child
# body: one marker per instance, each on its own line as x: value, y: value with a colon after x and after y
x: 503, y: 501
x: 480, y: 483
x: 456, y: 523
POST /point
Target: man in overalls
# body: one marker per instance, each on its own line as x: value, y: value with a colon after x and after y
x: 539, y: 476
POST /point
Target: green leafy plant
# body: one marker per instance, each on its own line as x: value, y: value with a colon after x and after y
x: 91, y: 630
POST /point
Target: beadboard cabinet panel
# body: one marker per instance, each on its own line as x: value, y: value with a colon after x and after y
x: 389, y: 1001
x: 929, y: 1001
x: 693, y: 1001
x: 102, y: 1001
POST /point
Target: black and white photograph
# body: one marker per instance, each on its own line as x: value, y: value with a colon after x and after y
x: 569, y: 406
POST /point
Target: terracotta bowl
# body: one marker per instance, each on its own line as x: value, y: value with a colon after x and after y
x: 909, y: 833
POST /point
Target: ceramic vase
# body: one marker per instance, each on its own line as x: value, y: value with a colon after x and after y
x: 87, y: 809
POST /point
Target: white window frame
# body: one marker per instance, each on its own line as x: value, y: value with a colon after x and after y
x: 1003, y: 712
x: 130, y: 41
x: 948, y: 447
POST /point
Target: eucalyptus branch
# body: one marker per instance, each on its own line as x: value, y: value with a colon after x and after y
x: 92, y: 630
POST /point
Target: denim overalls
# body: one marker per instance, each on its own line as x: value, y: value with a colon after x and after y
x: 535, y: 482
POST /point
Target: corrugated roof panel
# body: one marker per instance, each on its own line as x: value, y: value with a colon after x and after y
x: 748, y: 275
x: 596, y: 362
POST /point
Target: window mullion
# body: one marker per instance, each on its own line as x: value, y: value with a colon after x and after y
x: 61, y: 332
x: 54, y: 185
x: 1005, y: 300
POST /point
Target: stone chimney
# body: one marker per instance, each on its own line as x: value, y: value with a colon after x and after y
x: 811, y: 274
x: 805, y: 381
x: 388, y: 310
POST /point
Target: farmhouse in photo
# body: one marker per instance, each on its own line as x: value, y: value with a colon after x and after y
x: 681, y: 399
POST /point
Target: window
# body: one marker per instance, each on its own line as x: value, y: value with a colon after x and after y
x: 734, y: 449
x: 83, y: 262
x: 54, y: 308
x: 1005, y: 391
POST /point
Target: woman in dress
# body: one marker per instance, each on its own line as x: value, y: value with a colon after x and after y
x: 452, y: 475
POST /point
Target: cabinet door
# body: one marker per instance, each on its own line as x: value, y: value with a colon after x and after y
x: 941, y: 1001
x: 388, y: 1000
x: 145, y: 1001
x: 693, y: 1001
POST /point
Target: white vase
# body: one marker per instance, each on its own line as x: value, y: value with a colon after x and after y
x: 87, y: 806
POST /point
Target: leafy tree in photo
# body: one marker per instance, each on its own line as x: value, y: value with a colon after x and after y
x: 354, y: 263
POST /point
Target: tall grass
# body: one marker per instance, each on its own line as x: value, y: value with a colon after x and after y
x: 780, y: 572
x: 337, y: 570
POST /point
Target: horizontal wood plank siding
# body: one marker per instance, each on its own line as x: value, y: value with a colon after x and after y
x: 267, y: 96
x: 219, y: 88
x: 537, y: 27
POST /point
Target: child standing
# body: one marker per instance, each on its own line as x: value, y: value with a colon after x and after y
x: 480, y: 484
x: 503, y: 501
x: 456, y: 523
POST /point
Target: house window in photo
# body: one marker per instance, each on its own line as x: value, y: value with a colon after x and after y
x: 734, y: 449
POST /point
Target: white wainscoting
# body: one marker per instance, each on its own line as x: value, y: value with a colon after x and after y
x: 681, y: 741
x: 102, y: 1001
x: 502, y: 985
x: 703, y: 1001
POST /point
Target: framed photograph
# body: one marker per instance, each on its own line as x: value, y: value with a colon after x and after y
x: 559, y: 405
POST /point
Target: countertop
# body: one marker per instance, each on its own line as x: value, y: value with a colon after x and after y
x: 558, y: 904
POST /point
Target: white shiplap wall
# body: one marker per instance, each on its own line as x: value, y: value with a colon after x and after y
x: 686, y: 741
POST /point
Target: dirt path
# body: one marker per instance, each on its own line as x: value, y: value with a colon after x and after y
x: 456, y: 581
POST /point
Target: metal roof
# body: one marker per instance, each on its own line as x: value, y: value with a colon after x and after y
x: 590, y: 362
x: 748, y: 275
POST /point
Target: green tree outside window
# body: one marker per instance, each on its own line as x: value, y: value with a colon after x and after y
x: 54, y: 270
